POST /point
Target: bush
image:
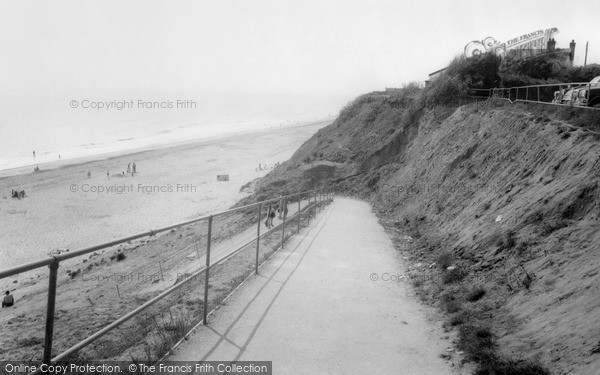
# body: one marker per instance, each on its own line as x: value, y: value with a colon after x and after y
x: 120, y: 257
x: 444, y: 260
x: 477, y: 341
x: 476, y: 294
x: 497, y: 366
x: 453, y: 276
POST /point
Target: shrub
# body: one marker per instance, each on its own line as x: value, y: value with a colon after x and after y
x: 476, y: 294
x: 453, y: 306
x: 477, y: 341
x: 120, y: 257
x: 444, y: 260
x: 453, y: 276
x: 497, y: 366
x: 458, y: 319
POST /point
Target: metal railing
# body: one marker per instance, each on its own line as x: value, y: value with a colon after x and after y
x: 314, y: 199
x: 550, y: 94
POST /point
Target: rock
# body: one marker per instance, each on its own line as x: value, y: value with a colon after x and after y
x: 432, y: 265
x: 450, y: 268
x: 418, y: 265
x: 498, y: 218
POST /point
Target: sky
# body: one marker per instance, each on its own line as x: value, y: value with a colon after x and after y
x: 325, y: 47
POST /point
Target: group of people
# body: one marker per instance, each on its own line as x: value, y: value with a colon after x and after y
x: 281, y: 208
x: 263, y: 167
x: 131, y: 168
x: 17, y: 194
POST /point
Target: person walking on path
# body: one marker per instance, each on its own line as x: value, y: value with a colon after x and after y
x: 134, y: 170
x: 270, y: 216
x: 8, y: 300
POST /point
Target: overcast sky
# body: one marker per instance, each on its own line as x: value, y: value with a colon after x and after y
x: 331, y: 47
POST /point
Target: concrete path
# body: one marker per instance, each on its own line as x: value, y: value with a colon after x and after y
x: 315, y: 309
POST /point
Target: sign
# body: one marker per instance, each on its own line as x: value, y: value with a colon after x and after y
x: 537, y: 39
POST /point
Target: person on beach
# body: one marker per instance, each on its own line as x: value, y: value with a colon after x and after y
x: 107, y: 175
x: 128, y: 168
x: 8, y: 300
x: 34, y: 153
x: 89, y: 174
x: 134, y: 170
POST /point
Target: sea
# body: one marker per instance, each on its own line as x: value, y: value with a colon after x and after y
x: 85, y: 124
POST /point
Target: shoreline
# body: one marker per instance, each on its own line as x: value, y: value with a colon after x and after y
x: 82, y: 160
x: 61, y: 211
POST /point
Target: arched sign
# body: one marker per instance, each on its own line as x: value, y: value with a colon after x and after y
x: 535, y: 40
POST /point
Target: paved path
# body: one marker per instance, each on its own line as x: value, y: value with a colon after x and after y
x: 314, y: 309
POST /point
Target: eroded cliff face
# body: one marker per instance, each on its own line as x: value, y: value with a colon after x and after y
x: 504, y: 195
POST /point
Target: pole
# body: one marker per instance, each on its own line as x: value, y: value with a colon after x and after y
x: 206, y: 274
x: 283, y: 204
x: 50, y: 311
x: 299, y: 213
x: 258, y: 238
x: 586, y: 50
x: 308, y: 210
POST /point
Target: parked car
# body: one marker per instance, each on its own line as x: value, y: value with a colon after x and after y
x: 563, y: 96
x: 588, y: 95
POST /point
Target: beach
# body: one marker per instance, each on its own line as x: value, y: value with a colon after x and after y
x: 64, y: 208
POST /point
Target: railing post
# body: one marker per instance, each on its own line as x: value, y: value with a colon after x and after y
x: 50, y: 311
x: 588, y: 95
x: 299, y: 212
x: 538, y: 92
x: 206, y: 273
x: 283, y: 203
x: 258, y: 237
x: 308, y: 210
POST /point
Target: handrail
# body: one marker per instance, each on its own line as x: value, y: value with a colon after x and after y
x: 499, y: 93
x: 64, y: 256
x: 53, y: 262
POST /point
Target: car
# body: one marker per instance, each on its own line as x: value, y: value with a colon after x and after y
x: 565, y: 95
x: 588, y: 95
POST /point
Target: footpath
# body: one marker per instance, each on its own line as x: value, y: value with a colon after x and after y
x: 328, y: 303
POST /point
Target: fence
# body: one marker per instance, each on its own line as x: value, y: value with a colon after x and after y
x: 559, y: 94
x: 227, y: 230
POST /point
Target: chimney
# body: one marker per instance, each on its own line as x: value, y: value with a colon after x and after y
x: 572, y: 53
x: 551, y: 45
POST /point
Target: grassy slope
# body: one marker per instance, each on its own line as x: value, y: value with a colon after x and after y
x: 526, y: 285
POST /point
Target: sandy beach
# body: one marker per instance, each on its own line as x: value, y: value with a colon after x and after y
x: 66, y: 209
